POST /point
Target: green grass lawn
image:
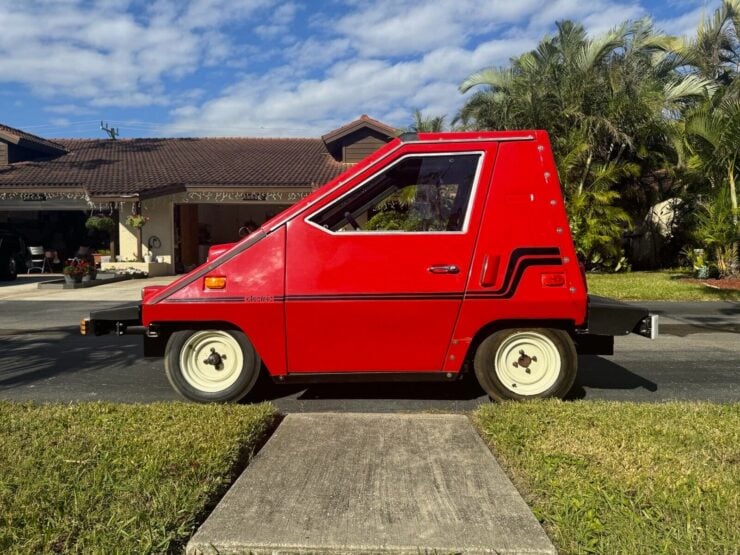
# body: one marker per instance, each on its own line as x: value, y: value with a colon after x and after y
x: 665, y: 285
x: 103, y: 478
x: 609, y: 477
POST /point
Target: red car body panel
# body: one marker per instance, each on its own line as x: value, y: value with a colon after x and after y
x: 316, y: 301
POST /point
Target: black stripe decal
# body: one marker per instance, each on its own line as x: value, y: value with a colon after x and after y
x: 507, y: 294
x: 378, y: 297
x: 514, y: 259
x: 521, y: 259
x: 207, y: 300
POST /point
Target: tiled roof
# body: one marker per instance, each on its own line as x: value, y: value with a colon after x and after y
x: 28, y: 140
x: 363, y: 121
x: 148, y: 166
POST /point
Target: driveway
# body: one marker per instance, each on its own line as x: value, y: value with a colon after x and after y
x: 44, y: 358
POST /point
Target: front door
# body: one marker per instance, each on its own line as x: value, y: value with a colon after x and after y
x: 375, y: 278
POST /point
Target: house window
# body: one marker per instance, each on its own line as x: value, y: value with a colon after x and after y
x: 428, y: 193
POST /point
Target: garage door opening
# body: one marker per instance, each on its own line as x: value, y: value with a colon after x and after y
x: 62, y: 231
x: 198, y: 226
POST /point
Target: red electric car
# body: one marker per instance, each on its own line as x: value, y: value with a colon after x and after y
x: 441, y: 252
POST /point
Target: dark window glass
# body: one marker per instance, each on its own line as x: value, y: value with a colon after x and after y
x: 419, y: 193
x: 9, y: 245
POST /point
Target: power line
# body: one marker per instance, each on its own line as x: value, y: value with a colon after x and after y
x: 164, y: 128
x: 36, y: 126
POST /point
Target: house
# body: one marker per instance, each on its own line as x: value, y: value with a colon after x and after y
x: 195, y: 191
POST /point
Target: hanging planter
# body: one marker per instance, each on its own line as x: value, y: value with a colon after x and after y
x: 101, y: 223
x: 137, y: 220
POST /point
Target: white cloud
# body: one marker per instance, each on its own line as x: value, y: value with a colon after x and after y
x: 391, y: 28
x: 684, y: 25
x: 609, y: 17
x: 106, y: 55
x: 597, y: 16
x: 386, y: 59
x: 67, y: 109
x: 327, y: 64
x: 277, y: 105
x: 285, y: 13
x: 314, y: 53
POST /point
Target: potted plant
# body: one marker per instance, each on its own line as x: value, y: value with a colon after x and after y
x: 75, y: 270
x: 137, y: 221
x: 89, y: 272
x: 100, y: 256
x: 107, y: 225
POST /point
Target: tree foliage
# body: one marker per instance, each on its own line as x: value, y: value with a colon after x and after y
x: 634, y: 115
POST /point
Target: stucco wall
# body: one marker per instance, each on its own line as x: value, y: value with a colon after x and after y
x: 161, y: 225
x: 127, y: 236
x: 159, y: 212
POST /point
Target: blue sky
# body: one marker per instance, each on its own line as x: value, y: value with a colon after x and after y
x: 280, y: 68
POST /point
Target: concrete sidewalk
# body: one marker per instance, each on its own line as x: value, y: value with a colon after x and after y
x: 26, y: 289
x: 368, y: 483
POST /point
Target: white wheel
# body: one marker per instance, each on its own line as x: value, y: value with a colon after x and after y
x: 526, y: 363
x: 211, y: 365
x: 211, y: 360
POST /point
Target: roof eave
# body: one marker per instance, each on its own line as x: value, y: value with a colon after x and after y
x: 334, y: 136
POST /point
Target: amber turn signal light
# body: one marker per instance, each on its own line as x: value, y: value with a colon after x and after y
x: 215, y: 282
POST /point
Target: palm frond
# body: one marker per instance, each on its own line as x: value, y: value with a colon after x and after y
x: 594, y: 51
x: 688, y: 87
x: 497, y: 79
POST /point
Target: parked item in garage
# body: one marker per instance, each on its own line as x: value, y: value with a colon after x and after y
x: 13, y: 255
x: 440, y: 253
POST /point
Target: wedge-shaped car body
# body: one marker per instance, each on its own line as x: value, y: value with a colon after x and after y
x: 438, y: 254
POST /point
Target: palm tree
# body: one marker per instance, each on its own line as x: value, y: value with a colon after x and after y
x: 712, y: 129
x: 715, y: 53
x: 426, y: 124
x: 606, y: 101
x: 715, y: 127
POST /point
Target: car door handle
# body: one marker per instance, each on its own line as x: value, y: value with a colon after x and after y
x: 444, y: 269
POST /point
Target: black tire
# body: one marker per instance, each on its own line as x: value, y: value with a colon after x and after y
x: 526, y: 376
x: 8, y: 269
x: 189, y: 373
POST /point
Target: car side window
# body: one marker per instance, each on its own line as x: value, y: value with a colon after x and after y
x: 417, y: 194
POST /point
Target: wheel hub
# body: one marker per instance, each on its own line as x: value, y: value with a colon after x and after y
x: 524, y: 361
x: 215, y: 360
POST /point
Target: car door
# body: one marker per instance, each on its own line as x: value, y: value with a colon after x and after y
x: 376, y: 275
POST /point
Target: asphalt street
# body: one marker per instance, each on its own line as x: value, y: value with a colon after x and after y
x: 43, y: 358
